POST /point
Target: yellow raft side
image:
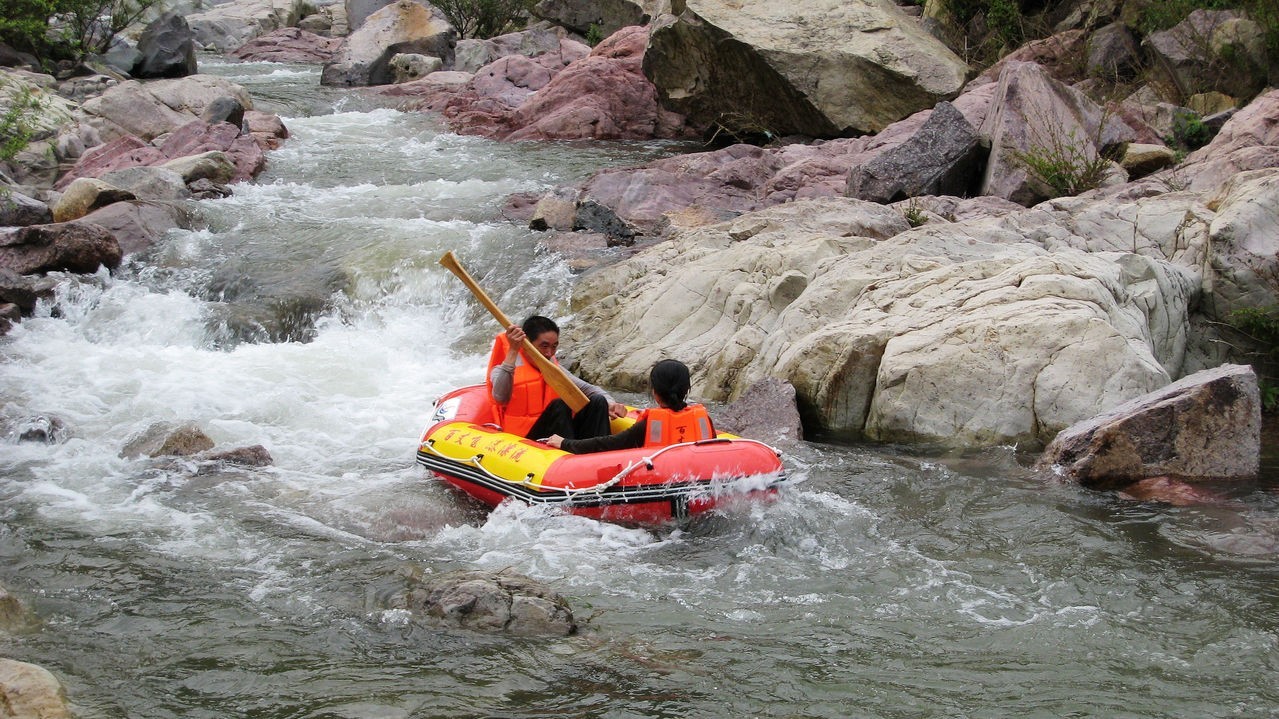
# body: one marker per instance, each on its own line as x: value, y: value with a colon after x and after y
x: 504, y: 455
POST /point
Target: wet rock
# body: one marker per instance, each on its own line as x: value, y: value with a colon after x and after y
x: 266, y: 128
x: 766, y: 411
x: 14, y: 617
x: 206, y: 189
x: 254, y: 456
x: 491, y: 602
x: 167, y: 48
x: 164, y: 439
x: 25, y: 291
x: 10, y: 315
x: 1205, y: 426
x: 1166, y: 490
x: 224, y: 109
x: 42, y: 429
x: 28, y: 691
x: 138, y: 225
x: 214, y: 166
x: 68, y: 246
x: 592, y: 216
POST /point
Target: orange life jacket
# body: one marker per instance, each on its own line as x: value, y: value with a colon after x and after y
x: 666, y: 427
x: 530, y: 394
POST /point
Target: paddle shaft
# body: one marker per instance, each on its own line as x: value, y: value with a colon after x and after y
x: 554, y: 375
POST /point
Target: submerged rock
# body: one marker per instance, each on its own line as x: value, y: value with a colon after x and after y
x: 164, y: 439
x: 490, y: 601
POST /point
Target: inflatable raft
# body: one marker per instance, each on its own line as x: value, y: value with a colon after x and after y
x: 641, y: 486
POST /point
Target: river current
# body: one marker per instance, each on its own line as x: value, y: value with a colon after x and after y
x: 310, y: 317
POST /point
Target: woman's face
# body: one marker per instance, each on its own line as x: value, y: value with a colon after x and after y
x: 546, y: 343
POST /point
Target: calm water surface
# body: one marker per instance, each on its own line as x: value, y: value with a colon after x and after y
x: 310, y: 317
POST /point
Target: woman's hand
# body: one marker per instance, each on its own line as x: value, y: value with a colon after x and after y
x: 554, y: 441
x: 617, y: 409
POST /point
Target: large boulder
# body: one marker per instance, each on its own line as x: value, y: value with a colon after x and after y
x: 167, y: 48
x: 85, y: 195
x: 31, y: 691
x: 961, y: 333
x: 605, y: 16
x: 67, y: 247
x: 820, y: 68
x: 289, y: 44
x: 603, y: 96
x: 489, y: 601
x: 943, y: 158
x: 1211, y: 50
x: 1036, y: 116
x: 471, y: 54
x: 227, y: 26
x: 1204, y: 426
x: 401, y: 27
x: 139, y: 225
x: 159, y: 107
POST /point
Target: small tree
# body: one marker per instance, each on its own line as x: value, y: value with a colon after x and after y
x: 67, y: 29
x: 484, y: 18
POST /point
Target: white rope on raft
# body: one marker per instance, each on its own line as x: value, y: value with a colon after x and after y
x: 646, y: 462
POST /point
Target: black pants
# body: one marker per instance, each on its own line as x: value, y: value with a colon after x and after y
x: 557, y: 418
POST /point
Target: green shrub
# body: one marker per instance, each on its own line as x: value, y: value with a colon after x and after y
x: 1189, y: 132
x: 15, y: 124
x: 1063, y: 161
x: 594, y: 35
x: 484, y: 18
x: 1261, y: 326
x: 67, y: 29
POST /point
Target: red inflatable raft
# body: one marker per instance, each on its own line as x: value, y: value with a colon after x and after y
x: 642, y: 486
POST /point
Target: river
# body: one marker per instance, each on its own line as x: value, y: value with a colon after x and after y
x: 310, y: 317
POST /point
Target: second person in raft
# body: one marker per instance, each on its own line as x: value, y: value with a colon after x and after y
x: 672, y: 422
x: 526, y: 405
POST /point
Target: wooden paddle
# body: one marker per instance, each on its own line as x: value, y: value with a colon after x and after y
x: 554, y: 375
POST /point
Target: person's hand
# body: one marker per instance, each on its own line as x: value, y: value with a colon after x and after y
x: 554, y: 441
x: 515, y: 335
x: 617, y: 409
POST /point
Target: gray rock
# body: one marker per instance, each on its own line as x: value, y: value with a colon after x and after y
x: 943, y: 158
x: 254, y: 456
x: 19, y: 210
x: 1204, y: 426
x: 607, y: 16
x: 148, y: 183
x: 492, y: 602
x: 766, y: 411
x: 14, y: 615
x: 42, y: 429
x: 167, y: 48
x: 1113, y: 53
x: 407, y: 67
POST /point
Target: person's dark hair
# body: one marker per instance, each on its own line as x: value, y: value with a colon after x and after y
x: 670, y: 382
x: 535, y: 325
